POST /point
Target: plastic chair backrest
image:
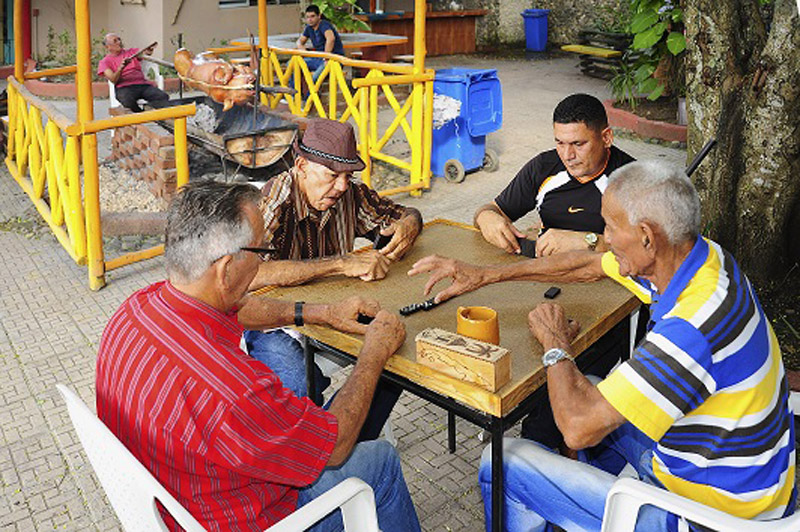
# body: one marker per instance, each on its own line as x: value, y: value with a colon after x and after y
x: 628, y: 495
x: 133, y: 491
x: 151, y: 72
x: 130, y: 487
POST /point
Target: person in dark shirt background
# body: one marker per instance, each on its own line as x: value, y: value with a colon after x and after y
x: 565, y: 184
x: 323, y: 37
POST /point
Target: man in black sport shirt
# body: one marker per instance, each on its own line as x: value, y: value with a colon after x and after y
x: 565, y: 184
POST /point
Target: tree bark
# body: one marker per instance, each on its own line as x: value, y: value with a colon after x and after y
x: 743, y: 88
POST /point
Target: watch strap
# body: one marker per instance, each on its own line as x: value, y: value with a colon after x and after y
x: 298, y: 313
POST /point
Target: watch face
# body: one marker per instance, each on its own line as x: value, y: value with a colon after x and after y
x: 553, y: 356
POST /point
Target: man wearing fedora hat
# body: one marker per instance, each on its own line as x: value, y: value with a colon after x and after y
x: 312, y: 215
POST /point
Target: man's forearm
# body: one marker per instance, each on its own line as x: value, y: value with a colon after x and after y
x: 351, y: 405
x: 295, y: 272
x: 572, y: 267
x: 581, y: 412
x: 413, y: 214
x: 488, y: 207
x: 261, y: 312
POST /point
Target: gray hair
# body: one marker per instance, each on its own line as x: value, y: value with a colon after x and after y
x: 205, y: 222
x: 656, y: 192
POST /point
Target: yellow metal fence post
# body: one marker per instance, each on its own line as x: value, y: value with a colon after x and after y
x: 19, y: 61
x: 417, y: 144
x: 91, y: 178
x: 181, y: 152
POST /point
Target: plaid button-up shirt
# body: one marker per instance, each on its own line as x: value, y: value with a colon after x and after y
x: 298, y: 231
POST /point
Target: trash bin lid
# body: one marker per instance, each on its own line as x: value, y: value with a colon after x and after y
x: 535, y: 13
x: 484, y: 109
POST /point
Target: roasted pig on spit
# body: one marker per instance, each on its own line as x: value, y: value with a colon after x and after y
x: 225, y: 83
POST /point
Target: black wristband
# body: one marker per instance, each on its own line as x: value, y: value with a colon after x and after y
x: 298, y: 313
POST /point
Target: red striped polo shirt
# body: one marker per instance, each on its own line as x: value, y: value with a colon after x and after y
x: 216, y: 427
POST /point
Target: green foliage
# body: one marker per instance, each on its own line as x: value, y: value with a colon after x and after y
x: 61, y: 49
x: 614, y: 19
x: 624, y: 85
x: 657, y: 28
x: 340, y: 13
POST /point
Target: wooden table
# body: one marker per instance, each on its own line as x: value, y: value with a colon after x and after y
x: 597, y: 307
x: 374, y: 46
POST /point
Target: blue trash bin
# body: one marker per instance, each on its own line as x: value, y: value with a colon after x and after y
x: 535, y: 29
x: 463, y: 139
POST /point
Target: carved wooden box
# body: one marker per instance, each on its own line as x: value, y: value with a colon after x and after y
x: 466, y: 359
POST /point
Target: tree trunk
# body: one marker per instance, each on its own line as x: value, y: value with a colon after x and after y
x: 743, y: 88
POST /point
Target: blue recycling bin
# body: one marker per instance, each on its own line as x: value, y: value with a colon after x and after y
x: 463, y: 139
x: 535, y: 29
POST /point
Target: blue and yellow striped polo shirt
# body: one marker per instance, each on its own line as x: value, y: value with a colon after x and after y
x: 707, y: 385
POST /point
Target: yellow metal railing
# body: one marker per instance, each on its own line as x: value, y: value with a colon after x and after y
x: 44, y: 157
x: 332, y: 96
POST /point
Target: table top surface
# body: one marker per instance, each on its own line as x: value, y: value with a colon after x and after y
x: 349, y: 40
x: 597, y: 306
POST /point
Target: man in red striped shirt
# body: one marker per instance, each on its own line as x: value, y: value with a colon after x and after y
x: 215, y: 426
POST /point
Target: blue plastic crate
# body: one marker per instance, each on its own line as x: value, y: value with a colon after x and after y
x: 464, y: 138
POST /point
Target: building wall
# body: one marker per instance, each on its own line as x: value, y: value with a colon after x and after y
x: 60, y: 14
x: 204, y: 24
x: 138, y: 25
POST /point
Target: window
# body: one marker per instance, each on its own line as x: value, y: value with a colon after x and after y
x: 249, y: 3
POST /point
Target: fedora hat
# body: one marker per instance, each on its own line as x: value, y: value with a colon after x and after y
x: 331, y: 144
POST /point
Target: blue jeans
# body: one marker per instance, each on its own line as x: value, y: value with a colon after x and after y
x: 543, y: 487
x: 285, y: 357
x: 377, y: 464
x: 316, y: 65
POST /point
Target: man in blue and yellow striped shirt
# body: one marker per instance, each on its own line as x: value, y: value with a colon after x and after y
x: 701, y: 408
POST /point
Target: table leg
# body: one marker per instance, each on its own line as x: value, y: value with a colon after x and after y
x: 497, y: 475
x: 311, y: 384
x: 451, y: 431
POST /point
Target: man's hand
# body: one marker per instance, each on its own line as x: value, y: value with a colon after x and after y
x: 466, y: 277
x: 404, y: 232
x: 384, y: 336
x: 368, y: 265
x: 555, y: 241
x: 498, y: 230
x: 550, y: 326
x: 343, y: 315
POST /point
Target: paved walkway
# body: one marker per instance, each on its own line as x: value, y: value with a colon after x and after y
x: 50, y: 325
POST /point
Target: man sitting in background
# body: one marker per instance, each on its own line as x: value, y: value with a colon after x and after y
x: 215, y: 426
x: 323, y: 37
x: 121, y: 67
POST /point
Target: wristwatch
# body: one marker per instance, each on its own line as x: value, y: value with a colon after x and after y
x: 554, y: 355
x: 591, y: 240
x: 298, y: 313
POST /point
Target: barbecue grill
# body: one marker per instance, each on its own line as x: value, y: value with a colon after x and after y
x: 249, y: 137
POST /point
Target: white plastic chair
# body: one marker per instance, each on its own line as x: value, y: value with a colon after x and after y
x: 133, y: 491
x: 628, y: 495
x: 150, y: 70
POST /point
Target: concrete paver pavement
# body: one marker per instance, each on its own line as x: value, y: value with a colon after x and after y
x: 50, y: 326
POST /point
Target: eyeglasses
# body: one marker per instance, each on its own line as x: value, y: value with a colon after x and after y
x: 263, y: 253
